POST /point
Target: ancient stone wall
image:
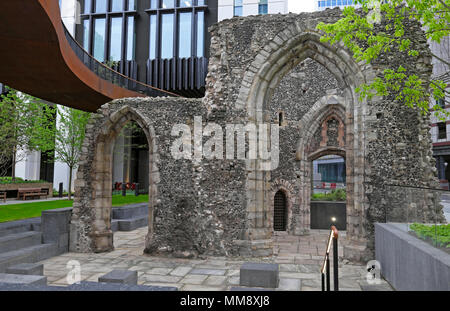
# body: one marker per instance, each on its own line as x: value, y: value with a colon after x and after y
x: 261, y: 66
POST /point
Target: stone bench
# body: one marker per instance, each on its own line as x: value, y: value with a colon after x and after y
x: 259, y: 275
x: 26, y: 269
x: 120, y: 276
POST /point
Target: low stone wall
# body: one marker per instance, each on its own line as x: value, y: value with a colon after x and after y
x: 323, y: 211
x: 408, y: 263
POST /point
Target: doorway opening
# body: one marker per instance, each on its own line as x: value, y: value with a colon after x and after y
x: 280, y: 212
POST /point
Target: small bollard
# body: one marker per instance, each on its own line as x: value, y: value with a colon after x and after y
x: 124, y: 188
x: 60, y: 190
x: 136, y: 189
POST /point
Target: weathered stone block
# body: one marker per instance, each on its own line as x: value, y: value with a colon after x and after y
x: 259, y: 275
x: 26, y: 269
x: 23, y: 279
x: 120, y: 276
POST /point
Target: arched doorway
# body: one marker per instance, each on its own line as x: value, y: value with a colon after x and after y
x: 292, y: 46
x: 91, y: 217
x: 328, y: 192
x: 280, y: 211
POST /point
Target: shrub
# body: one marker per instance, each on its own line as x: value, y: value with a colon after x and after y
x: 334, y: 195
x: 8, y: 180
x: 439, y: 234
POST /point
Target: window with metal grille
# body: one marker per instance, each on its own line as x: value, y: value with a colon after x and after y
x: 280, y: 211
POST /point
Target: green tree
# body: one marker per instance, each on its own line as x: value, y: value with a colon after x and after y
x: 358, y: 30
x: 69, y: 138
x: 26, y: 124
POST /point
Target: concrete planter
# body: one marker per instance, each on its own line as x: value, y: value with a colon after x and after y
x: 15, y: 187
x: 409, y: 263
x: 323, y: 211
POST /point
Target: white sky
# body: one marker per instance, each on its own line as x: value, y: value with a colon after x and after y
x: 297, y: 6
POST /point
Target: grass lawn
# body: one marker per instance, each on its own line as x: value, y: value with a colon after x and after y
x: 12, y: 212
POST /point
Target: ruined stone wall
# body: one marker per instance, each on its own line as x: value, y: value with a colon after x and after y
x: 257, y: 68
x: 297, y: 92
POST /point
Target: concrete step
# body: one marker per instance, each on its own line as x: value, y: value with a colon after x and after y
x: 20, y: 240
x: 27, y: 255
x: 11, y: 227
x: 23, y: 279
x: 83, y: 286
x: 129, y: 224
x: 94, y: 286
x: 130, y: 211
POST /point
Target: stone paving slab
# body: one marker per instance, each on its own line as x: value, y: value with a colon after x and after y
x: 196, y: 279
x: 298, y: 271
x: 208, y: 271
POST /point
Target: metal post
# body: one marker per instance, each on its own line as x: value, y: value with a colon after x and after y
x: 60, y: 190
x: 323, y: 282
x: 136, y: 189
x: 328, y: 273
x: 124, y: 188
x: 335, y: 264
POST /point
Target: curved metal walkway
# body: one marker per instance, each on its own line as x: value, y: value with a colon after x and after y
x: 38, y: 56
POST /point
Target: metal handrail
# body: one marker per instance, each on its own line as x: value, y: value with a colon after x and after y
x: 106, y: 73
x: 325, y: 270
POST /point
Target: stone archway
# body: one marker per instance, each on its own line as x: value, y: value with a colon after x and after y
x: 318, y: 142
x: 284, y: 52
x: 91, y: 216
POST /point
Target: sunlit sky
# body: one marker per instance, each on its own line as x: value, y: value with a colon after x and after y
x: 297, y: 6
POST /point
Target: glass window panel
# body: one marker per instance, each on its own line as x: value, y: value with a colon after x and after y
x: 116, y: 5
x: 237, y: 11
x: 262, y: 9
x: 201, y: 2
x: 154, y: 4
x: 99, y: 39
x: 131, y: 39
x: 185, y: 34
x: 167, y: 35
x: 333, y: 2
x: 87, y: 6
x: 237, y: 7
x: 100, y: 6
x: 86, y: 34
x: 116, y: 39
x: 152, y: 52
x: 168, y: 3
x: 131, y: 5
x: 200, y: 33
x: 185, y: 3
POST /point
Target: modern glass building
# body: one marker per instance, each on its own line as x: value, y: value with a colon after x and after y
x: 163, y: 43
x: 231, y: 8
x: 329, y: 4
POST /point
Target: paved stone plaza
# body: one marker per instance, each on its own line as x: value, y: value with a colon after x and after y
x: 300, y: 258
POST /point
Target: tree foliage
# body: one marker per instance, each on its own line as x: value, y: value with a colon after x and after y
x: 69, y: 137
x: 357, y: 30
x: 26, y: 124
